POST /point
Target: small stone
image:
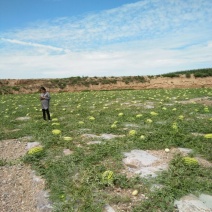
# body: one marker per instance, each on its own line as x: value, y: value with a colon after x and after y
x: 94, y: 142
x: 108, y: 208
x: 67, y: 152
x: 156, y: 187
x: 23, y: 118
x: 185, y: 150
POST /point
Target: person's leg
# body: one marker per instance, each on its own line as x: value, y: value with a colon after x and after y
x: 48, y: 114
x: 44, y: 114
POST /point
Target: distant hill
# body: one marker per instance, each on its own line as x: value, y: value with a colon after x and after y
x: 180, y: 79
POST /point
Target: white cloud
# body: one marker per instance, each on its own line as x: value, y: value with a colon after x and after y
x: 141, y: 20
x: 107, y: 63
x: 33, y: 44
x: 144, y: 38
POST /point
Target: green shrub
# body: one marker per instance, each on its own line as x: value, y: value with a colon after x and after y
x: 188, y: 75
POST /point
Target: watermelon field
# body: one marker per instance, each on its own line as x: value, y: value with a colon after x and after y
x: 82, y: 148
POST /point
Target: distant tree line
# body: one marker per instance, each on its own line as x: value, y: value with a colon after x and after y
x: 198, y: 73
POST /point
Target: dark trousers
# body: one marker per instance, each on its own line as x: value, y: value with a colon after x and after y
x: 46, y: 111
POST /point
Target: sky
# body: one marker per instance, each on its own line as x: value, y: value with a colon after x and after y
x: 66, y: 38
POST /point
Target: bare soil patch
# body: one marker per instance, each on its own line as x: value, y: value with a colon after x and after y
x: 124, y: 200
x: 20, y: 188
x: 12, y: 149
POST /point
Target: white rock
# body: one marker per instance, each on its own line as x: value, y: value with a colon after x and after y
x: 94, y: 142
x: 206, y: 199
x: 67, y: 152
x: 23, y: 118
x: 140, y: 157
x: 191, y: 203
x: 31, y: 145
x: 108, y: 208
x: 151, y: 171
x: 185, y: 150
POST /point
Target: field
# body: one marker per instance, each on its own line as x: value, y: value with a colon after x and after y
x: 132, y: 119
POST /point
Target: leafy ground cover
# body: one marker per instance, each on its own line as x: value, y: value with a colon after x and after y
x: 138, y: 119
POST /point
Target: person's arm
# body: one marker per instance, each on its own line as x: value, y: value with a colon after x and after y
x: 47, y: 96
x: 41, y: 97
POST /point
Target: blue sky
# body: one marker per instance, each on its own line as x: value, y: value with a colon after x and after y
x: 64, y: 38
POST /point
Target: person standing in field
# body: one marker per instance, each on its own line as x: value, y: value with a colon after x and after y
x: 45, y: 99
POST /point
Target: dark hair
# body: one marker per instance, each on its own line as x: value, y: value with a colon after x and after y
x: 42, y: 88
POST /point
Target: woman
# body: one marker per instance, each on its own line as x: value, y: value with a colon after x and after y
x: 45, y: 99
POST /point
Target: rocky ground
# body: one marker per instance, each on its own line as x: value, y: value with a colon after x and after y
x: 21, y: 190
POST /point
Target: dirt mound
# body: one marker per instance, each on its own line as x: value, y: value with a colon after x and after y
x: 102, y: 83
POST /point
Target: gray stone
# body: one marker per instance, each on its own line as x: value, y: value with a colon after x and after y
x: 161, y: 122
x: 140, y: 158
x: 102, y: 136
x: 206, y: 199
x: 23, y: 118
x: 191, y: 203
x: 131, y: 125
x: 151, y: 171
x: 185, y: 150
x: 67, y: 152
x: 83, y: 130
x: 142, y: 163
x: 197, y: 134
x: 168, y: 104
x: 43, y: 204
x: 89, y: 135
x: 108, y: 208
x: 94, y: 142
x: 149, y: 106
x: 156, y: 187
x: 109, y: 136
x: 15, y: 130
x: 31, y: 145
x: 36, y: 179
